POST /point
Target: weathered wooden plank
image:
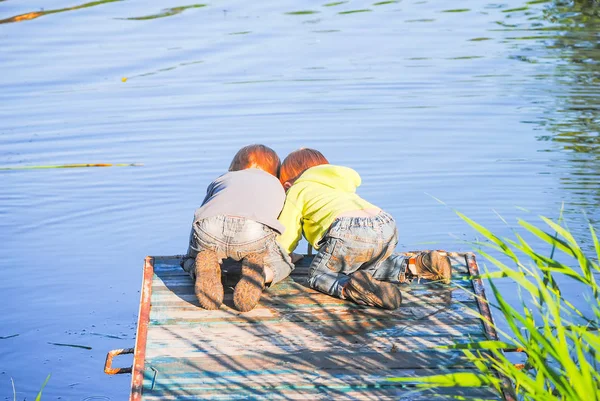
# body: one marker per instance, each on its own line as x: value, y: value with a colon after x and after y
x: 290, y: 374
x: 181, y: 346
x: 290, y: 383
x: 299, y: 343
x: 324, y: 392
x: 265, y: 315
x: 240, y: 342
x: 296, y: 297
x: 335, y: 326
x: 372, y: 330
x: 313, y: 302
x: 368, y: 361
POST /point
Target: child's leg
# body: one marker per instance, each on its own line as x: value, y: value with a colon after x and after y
x: 363, y: 289
x: 278, y: 264
x: 189, y: 260
x: 346, y: 262
x: 248, y: 290
x: 250, y: 242
x: 208, y: 286
x: 206, y: 250
x: 391, y: 269
x: 395, y: 268
x: 359, y: 285
x: 329, y: 271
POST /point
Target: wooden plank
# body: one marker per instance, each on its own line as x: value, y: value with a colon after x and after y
x: 290, y: 374
x: 191, y: 313
x: 175, y: 341
x: 299, y: 343
x: 296, y: 297
x: 177, y: 345
x: 368, y: 361
x: 282, y: 381
x: 324, y: 392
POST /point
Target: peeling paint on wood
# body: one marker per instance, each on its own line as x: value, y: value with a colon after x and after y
x: 298, y: 343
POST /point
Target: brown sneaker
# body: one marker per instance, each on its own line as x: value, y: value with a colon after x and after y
x: 363, y: 289
x: 208, y: 287
x: 248, y: 290
x: 434, y: 265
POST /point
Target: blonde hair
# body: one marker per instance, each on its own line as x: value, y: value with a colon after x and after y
x: 256, y: 156
x: 298, y: 162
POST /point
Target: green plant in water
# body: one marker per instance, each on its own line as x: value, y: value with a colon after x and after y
x: 561, y: 343
x: 39, y: 395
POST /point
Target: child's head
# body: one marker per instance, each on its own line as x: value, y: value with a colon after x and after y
x: 256, y: 156
x: 297, y: 163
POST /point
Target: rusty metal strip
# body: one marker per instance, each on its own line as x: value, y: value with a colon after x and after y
x: 137, y: 377
x: 508, y: 391
x: 108, y: 369
x: 482, y: 302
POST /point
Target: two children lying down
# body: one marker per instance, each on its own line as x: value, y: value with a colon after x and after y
x: 258, y: 211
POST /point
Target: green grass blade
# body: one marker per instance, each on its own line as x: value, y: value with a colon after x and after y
x: 560, y: 244
x: 489, y: 235
x: 460, y: 379
x: 39, y: 395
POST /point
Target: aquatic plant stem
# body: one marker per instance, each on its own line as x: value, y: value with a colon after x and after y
x: 82, y: 165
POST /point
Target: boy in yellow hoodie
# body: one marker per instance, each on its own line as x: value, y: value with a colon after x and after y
x: 354, y: 238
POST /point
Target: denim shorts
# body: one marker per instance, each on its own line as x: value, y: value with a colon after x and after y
x: 236, y: 237
x: 350, y: 244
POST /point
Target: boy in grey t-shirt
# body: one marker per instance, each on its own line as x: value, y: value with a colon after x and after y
x: 238, y: 220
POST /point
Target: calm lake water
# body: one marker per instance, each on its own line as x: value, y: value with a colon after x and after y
x: 491, y: 107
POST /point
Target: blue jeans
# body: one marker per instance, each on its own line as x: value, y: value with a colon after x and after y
x: 352, y: 244
x: 235, y: 238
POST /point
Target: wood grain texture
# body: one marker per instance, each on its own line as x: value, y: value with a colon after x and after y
x: 302, y: 344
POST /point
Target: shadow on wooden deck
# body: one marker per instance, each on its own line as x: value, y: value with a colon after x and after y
x: 301, y: 344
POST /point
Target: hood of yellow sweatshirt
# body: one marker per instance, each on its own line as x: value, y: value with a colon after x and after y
x: 337, y: 177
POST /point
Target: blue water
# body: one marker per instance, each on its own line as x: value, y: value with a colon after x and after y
x: 491, y: 108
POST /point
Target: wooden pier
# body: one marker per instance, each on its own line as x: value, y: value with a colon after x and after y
x: 301, y: 344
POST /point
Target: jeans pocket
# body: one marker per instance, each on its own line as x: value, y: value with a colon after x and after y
x: 349, y: 256
x: 203, y: 242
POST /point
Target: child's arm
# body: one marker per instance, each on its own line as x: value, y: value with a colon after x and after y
x: 291, y: 218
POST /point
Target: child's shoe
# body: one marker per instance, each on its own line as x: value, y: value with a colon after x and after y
x: 433, y: 265
x: 363, y: 289
x: 208, y: 287
x: 248, y: 290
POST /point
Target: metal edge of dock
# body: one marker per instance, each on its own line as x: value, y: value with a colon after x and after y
x: 508, y: 391
x: 139, y: 356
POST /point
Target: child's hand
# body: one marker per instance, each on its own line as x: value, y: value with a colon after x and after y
x: 296, y: 257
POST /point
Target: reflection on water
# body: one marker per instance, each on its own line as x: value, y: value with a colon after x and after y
x: 570, y: 33
x: 171, y: 68
x: 37, y: 14
x: 364, y: 10
x: 167, y: 12
x: 488, y: 106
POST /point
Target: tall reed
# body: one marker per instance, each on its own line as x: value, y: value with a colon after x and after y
x: 561, y: 343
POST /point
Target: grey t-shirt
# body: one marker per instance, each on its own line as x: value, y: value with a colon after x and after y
x: 251, y: 193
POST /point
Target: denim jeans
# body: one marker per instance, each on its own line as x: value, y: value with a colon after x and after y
x: 235, y: 238
x: 352, y: 244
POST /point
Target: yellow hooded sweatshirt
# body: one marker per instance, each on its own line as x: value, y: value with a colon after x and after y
x: 317, y: 197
